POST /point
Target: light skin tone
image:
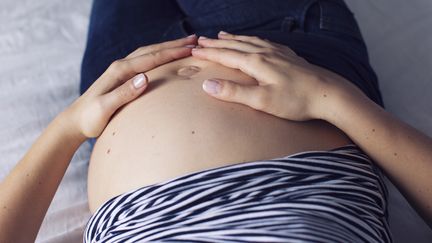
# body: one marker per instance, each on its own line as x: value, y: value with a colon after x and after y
x: 289, y: 87
x: 26, y: 193
x: 293, y: 89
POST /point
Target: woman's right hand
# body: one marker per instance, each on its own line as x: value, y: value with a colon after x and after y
x: 121, y: 83
x: 288, y: 86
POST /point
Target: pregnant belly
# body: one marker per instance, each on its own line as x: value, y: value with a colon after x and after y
x: 174, y: 128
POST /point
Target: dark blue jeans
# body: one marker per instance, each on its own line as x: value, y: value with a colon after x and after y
x: 324, y: 32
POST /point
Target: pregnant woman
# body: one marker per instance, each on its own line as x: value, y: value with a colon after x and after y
x: 273, y: 132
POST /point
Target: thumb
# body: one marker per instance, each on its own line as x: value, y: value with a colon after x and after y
x: 125, y: 93
x: 250, y: 95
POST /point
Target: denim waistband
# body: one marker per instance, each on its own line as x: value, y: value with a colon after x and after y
x: 246, y: 15
x: 240, y: 15
x: 324, y: 32
x: 334, y: 40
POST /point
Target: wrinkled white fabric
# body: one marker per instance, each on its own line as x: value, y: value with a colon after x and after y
x: 41, y: 44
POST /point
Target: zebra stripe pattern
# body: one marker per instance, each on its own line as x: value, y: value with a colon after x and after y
x: 315, y: 196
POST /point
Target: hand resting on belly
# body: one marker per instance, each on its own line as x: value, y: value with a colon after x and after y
x: 175, y: 128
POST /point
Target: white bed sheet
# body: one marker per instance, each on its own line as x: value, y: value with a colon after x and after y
x: 41, y: 44
x: 398, y: 34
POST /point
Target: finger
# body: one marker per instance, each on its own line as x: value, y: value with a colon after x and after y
x: 229, y: 44
x: 250, y: 63
x: 125, y: 93
x: 250, y: 39
x: 124, y: 69
x: 250, y: 95
x: 189, y: 41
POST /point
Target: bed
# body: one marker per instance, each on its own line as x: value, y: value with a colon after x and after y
x: 41, y: 44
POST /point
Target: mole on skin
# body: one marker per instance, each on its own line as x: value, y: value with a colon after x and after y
x: 188, y: 71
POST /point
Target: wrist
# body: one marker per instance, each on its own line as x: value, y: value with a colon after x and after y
x: 336, y: 98
x: 68, y: 128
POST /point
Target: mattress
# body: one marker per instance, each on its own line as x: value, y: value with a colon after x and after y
x: 41, y: 45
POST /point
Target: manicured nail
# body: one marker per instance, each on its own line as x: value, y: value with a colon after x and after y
x: 211, y: 86
x: 191, y: 36
x: 223, y: 32
x: 190, y: 46
x: 202, y: 38
x: 139, y: 81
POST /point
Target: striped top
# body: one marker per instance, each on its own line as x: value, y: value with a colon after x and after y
x: 314, y: 196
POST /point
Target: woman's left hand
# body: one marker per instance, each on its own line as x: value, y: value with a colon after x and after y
x: 121, y: 83
x: 288, y: 86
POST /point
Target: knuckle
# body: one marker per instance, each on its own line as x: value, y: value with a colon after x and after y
x: 115, y: 65
x: 144, y: 49
x: 255, y: 59
x: 255, y: 38
x: 140, y: 49
x: 288, y: 50
x: 118, y: 66
x: 154, y: 58
x: 279, y: 54
x: 268, y: 50
x: 152, y: 54
x: 261, y: 100
x: 232, y: 91
x: 125, y: 93
x: 301, y: 60
x: 234, y: 36
x: 157, y: 55
x: 228, y: 91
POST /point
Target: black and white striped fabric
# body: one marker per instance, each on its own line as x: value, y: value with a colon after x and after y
x: 314, y: 196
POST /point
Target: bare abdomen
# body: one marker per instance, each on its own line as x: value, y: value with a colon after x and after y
x: 174, y: 128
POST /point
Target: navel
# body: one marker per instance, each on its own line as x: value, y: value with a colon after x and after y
x: 188, y: 71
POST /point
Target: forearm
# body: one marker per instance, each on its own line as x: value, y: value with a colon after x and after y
x: 402, y: 152
x: 26, y: 193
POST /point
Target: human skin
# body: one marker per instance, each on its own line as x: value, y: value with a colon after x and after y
x: 175, y: 129
x: 402, y: 152
x: 26, y: 193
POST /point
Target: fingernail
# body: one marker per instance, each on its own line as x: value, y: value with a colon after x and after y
x: 202, y: 38
x: 223, y: 32
x: 211, y: 86
x: 139, y: 81
x: 190, y: 46
x: 191, y: 36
